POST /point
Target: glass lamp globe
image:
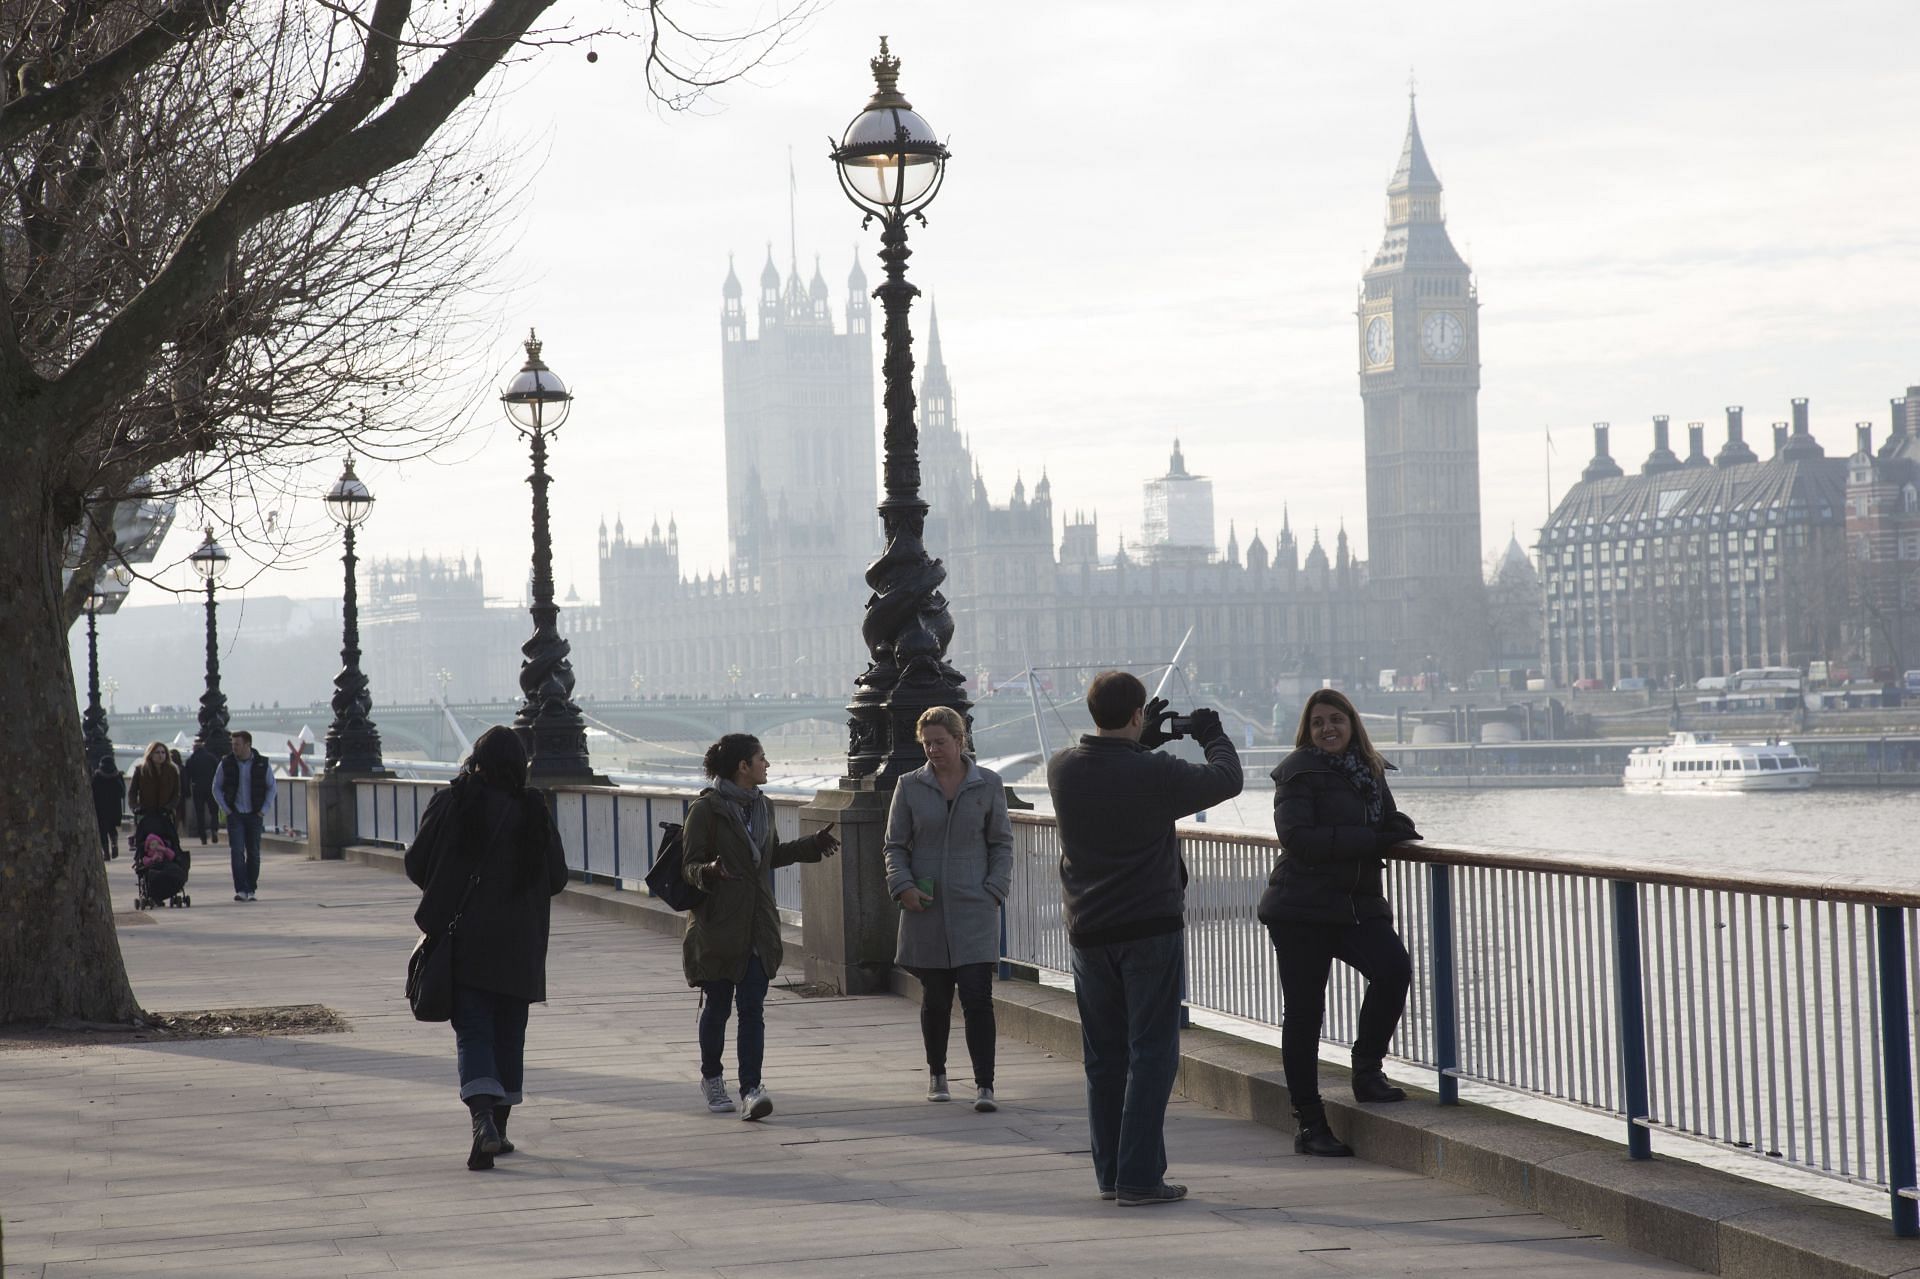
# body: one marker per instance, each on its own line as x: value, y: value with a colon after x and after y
x: 536, y: 399
x: 890, y: 160
x: 349, y: 501
x: 209, y: 559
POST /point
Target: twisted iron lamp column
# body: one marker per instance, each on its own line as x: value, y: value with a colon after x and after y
x: 907, y: 627
x: 549, y: 719
x: 353, y: 742
x: 213, y: 703
x: 94, y: 723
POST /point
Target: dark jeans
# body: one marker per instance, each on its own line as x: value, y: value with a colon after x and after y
x: 243, y: 841
x: 490, y: 1041
x: 1306, y: 953
x: 975, y: 983
x: 109, y: 835
x: 720, y: 998
x: 1129, y: 997
x: 206, y: 817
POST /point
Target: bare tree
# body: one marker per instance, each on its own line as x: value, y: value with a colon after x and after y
x: 233, y: 233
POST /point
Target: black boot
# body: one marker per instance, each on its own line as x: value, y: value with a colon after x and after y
x: 1370, y: 1084
x: 486, y: 1137
x: 500, y: 1114
x: 1314, y: 1137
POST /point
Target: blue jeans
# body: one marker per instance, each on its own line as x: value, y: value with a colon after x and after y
x: 243, y: 841
x: 720, y: 997
x: 1129, y: 997
x: 490, y: 1041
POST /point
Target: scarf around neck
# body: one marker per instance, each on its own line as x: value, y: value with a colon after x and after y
x: 750, y: 809
x: 1356, y: 770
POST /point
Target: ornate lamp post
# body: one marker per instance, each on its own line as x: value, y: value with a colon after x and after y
x: 353, y: 743
x: 209, y: 561
x: 537, y: 403
x: 891, y: 165
x: 93, y: 724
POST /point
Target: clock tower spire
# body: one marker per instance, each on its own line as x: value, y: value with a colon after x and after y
x: 1419, y: 355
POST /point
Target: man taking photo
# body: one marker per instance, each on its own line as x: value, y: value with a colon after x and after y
x: 1123, y: 886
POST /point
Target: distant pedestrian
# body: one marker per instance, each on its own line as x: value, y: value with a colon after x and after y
x: 109, y: 804
x: 1335, y: 817
x: 487, y: 854
x: 949, y: 859
x: 154, y: 788
x: 1123, y: 886
x: 244, y: 786
x: 732, y: 947
x: 180, y: 801
x: 198, y: 773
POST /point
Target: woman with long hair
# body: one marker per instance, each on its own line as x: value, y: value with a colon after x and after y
x: 732, y: 946
x: 949, y: 856
x: 155, y: 786
x: 487, y: 854
x: 1335, y: 817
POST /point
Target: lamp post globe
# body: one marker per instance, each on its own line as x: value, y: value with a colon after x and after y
x: 353, y: 742
x: 891, y: 166
x: 209, y: 561
x: 537, y: 402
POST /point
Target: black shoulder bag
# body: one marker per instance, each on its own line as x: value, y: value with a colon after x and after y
x: 430, y: 966
x: 666, y: 878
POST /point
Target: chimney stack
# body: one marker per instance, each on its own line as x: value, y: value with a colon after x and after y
x: 1603, y: 467
x: 1800, y: 446
x: 1697, y: 444
x: 1800, y: 426
x: 1735, y: 450
x: 1662, y: 458
x: 1779, y: 438
x: 1863, y: 437
x: 1900, y: 420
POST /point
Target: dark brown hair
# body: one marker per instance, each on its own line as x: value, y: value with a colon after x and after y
x: 724, y: 757
x: 1361, y: 742
x: 1113, y: 697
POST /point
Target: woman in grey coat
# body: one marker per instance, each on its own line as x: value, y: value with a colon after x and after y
x: 949, y: 865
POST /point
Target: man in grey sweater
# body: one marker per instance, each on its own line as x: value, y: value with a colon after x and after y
x: 1123, y: 886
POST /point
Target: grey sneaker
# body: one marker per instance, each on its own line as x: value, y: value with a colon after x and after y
x: 715, y: 1091
x: 1168, y: 1192
x: 937, y: 1089
x: 755, y: 1104
x: 1108, y: 1194
x: 983, y: 1101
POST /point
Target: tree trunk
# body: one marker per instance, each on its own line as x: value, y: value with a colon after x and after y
x: 59, y: 955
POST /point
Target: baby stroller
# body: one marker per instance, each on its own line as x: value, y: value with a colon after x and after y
x: 159, y: 862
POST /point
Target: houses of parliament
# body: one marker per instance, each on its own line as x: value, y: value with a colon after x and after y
x: 1031, y: 579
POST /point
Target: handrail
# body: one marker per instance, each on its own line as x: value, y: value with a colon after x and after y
x: 1858, y: 889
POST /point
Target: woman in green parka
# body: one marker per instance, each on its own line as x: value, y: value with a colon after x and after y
x: 732, y: 948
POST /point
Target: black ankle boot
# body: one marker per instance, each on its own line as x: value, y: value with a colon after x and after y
x: 486, y: 1137
x: 500, y: 1114
x: 1372, y: 1085
x: 1314, y: 1137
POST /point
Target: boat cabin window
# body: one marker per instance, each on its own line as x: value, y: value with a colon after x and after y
x: 1768, y: 761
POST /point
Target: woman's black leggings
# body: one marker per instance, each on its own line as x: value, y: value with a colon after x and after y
x: 975, y: 983
x: 1306, y: 953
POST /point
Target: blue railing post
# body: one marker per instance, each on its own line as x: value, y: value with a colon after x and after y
x: 1632, y: 1015
x: 1896, y: 1061
x: 1446, y: 1013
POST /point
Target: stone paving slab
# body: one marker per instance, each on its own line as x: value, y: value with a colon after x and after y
x: 343, y: 1154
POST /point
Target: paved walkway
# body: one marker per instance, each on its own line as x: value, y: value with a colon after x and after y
x: 343, y: 1154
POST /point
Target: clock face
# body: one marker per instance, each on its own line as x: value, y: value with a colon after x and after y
x: 1379, y: 340
x: 1442, y: 335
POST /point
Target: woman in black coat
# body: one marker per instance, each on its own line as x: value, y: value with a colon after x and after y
x: 109, y: 804
x: 488, y: 856
x: 1335, y: 817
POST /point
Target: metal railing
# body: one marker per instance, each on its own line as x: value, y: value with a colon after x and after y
x: 610, y: 835
x: 288, y: 815
x: 1770, y: 1015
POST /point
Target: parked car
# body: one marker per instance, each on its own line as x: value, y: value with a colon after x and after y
x: 1588, y: 685
x: 1632, y: 684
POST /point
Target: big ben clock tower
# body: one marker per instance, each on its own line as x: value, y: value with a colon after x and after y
x: 1419, y: 353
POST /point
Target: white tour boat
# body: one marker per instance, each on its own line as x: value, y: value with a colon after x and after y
x: 1695, y: 763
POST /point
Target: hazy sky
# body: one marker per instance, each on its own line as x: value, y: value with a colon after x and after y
x: 1155, y: 227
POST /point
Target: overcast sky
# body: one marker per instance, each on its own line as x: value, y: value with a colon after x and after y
x: 1156, y: 227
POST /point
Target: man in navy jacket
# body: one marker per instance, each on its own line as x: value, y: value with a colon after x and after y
x: 1123, y: 886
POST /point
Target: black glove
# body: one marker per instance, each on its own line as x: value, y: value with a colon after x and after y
x: 1204, y: 725
x: 1156, y: 714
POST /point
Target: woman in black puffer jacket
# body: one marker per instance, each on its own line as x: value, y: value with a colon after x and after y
x: 1335, y: 817
x: 491, y: 830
